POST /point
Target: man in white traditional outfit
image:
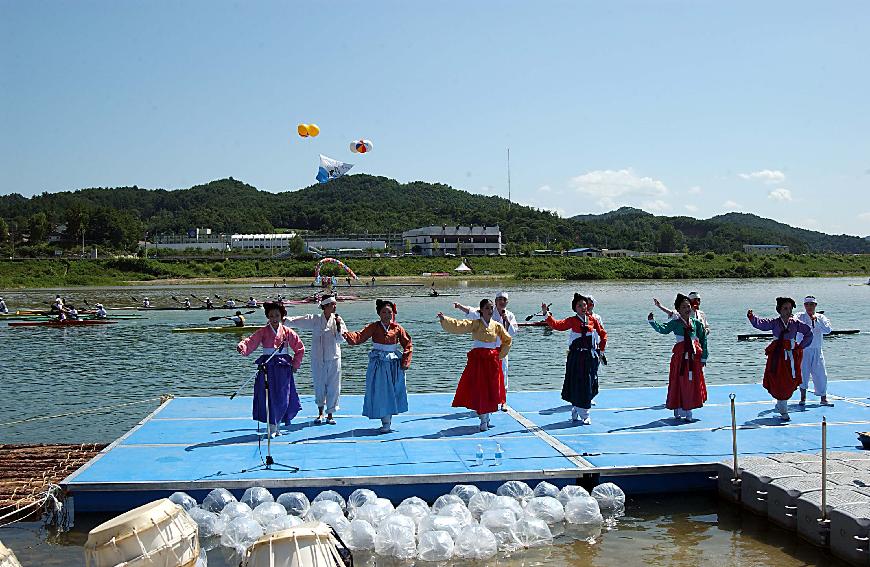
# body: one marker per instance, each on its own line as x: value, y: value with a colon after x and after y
x: 813, y: 362
x: 326, y: 337
x: 507, y: 320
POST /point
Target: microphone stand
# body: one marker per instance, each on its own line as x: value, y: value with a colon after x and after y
x: 269, y: 461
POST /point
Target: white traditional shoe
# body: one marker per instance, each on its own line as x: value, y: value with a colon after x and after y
x: 784, y: 416
x: 384, y: 429
x: 586, y: 421
x: 318, y: 420
x: 330, y: 421
x: 688, y: 415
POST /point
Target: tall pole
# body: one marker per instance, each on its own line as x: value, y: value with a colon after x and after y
x: 509, y: 177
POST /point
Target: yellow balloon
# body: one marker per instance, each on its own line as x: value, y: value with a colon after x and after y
x: 313, y: 130
x: 303, y: 130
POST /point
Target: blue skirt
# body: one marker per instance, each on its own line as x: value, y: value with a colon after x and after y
x: 385, y: 386
x: 283, y: 398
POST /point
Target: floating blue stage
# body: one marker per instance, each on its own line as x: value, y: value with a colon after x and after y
x: 197, y: 444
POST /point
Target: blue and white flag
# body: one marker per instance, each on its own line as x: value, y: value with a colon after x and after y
x: 331, y: 169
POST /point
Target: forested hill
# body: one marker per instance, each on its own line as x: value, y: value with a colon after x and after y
x: 365, y: 203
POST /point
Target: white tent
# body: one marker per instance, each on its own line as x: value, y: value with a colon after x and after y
x: 462, y: 267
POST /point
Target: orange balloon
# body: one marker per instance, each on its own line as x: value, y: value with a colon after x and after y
x: 303, y: 130
x: 313, y: 130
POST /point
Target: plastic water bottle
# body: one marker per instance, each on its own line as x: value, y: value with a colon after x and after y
x: 479, y: 455
x: 499, y: 454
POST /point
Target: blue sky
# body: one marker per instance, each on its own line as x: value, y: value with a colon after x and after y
x: 689, y: 107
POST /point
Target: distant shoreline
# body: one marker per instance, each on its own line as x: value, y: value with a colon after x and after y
x: 134, y: 271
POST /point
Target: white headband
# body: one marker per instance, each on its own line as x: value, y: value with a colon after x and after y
x: 810, y: 299
x: 501, y: 294
x: 694, y: 295
x: 327, y: 301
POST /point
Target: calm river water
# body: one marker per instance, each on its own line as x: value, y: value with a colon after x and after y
x: 74, y: 372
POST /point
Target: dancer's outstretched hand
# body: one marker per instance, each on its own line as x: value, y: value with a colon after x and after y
x: 750, y: 314
x: 440, y: 316
x: 657, y: 302
x: 650, y: 316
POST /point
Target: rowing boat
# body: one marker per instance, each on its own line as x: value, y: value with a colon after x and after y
x: 439, y: 295
x: 65, y: 323
x: 217, y: 329
x: 770, y: 336
x: 305, y: 300
x: 535, y: 324
x: 309, y: 286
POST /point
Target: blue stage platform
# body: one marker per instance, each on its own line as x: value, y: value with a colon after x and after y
x: 196, y: 444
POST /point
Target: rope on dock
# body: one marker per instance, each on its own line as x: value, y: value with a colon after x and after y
x: 99, y: 409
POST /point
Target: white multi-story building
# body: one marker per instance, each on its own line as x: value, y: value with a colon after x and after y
x: 459, y: 240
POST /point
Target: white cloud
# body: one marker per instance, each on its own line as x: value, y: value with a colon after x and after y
x: 729, y: 204
x: 864, y: 216
x: 694, y: 190
x: 611, y: 188
x: 769, y: 176
x: 544, y: 189
x: 691, y: 208
x: 657, y: 206
x: 780, y: 195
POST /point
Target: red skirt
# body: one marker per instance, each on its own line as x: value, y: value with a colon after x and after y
x: 686, y: 391
x: 481, y: 387
x: 782, y: 373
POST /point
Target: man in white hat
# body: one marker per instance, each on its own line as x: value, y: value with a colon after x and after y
x: 101, y: 311
x: 3, y: 308
x: 326, y: 337
x: 146, y: 303
x: 813, y: 363
x: 503, y: 316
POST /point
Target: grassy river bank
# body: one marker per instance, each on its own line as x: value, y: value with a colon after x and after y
x: 119, y: 271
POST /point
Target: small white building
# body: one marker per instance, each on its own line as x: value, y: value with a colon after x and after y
x: 765, y: 249
x: 460, y: 240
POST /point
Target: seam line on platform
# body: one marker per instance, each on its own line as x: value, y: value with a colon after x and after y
x: 566, y: 451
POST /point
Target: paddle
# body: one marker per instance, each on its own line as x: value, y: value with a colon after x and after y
x: 529, y: 318
x: 175, y: 299
x: 218, y: 296
x: 228, y: 316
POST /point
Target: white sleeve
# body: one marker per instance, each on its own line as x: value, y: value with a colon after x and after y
x: 474, y: 314
x: 512, y: 327
x: 824, y: 324
x: 300, y: 322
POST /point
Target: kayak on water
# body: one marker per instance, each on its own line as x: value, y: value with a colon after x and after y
x: 770, y: 336
x: 303, y: 286
x: 316, y: 299
x: 439, y: 295
x: 535, y: 324
x: 65, y: 323
x: 217, y: 329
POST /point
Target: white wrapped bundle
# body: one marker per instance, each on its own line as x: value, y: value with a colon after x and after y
x: 509, y: 503
x: 435, y: 546
x: 583, y: 510
x: 183, y: 499
x: 339, y: 523
x: 296, y: 503
x: 545, y: 508
x: 415, y: 508
x: 284, y: 522
x: 516, y: 489
x: 235, y: 509
x: 434, y: 523
x: 465, y: 491
x: 502, y: 523
x: 332, y: 496
x: 322, y: 508
x: 267, y: 512
x: 458, y: 511
x: 217, y: 499
x: 444, y: 500
x: 480, y: 503
x: 394, y: 540
x: 544, y: 488
x: 571, y: 491
x: 255, y: 496
x: 610, y: 497
x: 400, y: 520
x: 533, y: 532
x: 209, y: 523
x: 241, y: 533
x: 360, y: 497
x: 476, y: 542
x: 362, y: 536
x: 374, y: 512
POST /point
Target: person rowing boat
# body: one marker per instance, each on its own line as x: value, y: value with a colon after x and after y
x: 100, y: 312
x: 238, y: 319
x: 251, y: 302
x: 146, y: 303
x: 186, y: 303
x: 3, y: 309
x: 231, y: 303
